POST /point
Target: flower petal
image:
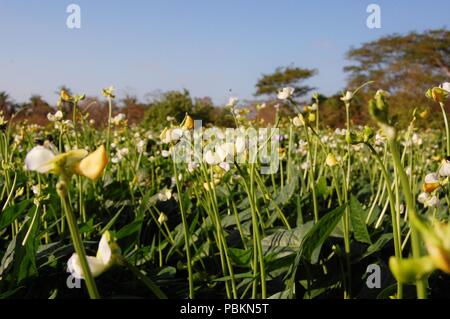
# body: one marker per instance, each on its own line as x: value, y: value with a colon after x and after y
x: 92, y: 166
x: 38, y: 159
x: 104, y: 250
x: 96, y: 266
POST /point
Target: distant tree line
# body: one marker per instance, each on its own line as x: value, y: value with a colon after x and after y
x: 404, y: 65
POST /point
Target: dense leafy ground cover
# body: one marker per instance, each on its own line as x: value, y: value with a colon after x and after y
x: 339, y: 201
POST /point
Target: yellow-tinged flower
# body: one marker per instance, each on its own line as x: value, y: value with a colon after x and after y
x: 311, y: 117
x: 298, y: 120
x: 331, y: 160
x: 209, y: 186
x: 437, y: 94
x: 43, y: 160
x: 188, y: 123
x: 92, y: 166
x: 108, y: 254
x: 424, y: 114
x: 65, y: 96
x: 162, y: 218
x: 438, y: 246
x: 437, y: 242
x: 108, y: 92
x: 431, y: 182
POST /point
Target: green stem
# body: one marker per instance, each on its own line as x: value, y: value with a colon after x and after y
x: 447, y: 130
x: 415, y: 240
x: 108, y: 136
x: 62, y: 189
x: 397, y: 239
x: 145, y: 279
x: 186, y: 233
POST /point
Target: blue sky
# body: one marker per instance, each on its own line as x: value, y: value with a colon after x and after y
x: 208, y: 47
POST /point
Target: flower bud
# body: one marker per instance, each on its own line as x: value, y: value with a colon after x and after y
x: 410, y: 270
x: 331, y: 160
x: 437, y: 94
x: 188, y: 123
x: 92, y: 166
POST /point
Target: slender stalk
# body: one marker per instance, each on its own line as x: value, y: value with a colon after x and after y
x: 410, y: 206
x: 447, y: 129
x: 145, y: 279
x: 311, y: 177
x: 395, y: 228
x: 62, y: 190
x: 185, y: 233
x: 108, y: 134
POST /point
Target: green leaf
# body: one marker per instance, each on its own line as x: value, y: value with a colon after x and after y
x: 129, y: 229
x: 285, y: 242
x: 11, y: 213
x: 322, y: 187
x: 387, y: 292
x: 320, y: 232
x: 20, y: 259
x: 241, y: 257
x: 285, y: 195
x: 378, y: 245
x: 357, y: 219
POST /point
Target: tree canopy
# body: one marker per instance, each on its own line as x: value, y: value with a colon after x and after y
x: 404, y: 65
x: 270, y: 84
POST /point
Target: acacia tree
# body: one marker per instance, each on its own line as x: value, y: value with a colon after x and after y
x: 404, y: 65
x: 6, y: 106
x: 270, y: 84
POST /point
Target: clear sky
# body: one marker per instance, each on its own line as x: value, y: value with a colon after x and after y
x: 208, y: 47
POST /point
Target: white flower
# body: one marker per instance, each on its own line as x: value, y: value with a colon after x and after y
x: 416, y: 140
x: 305, y: 165
x: 165, y: 195
x: 165, y: 153
x: 192, y: 166
x: 38, y: 159
x: 232, y: 101
x: 382, y: 92
x: 314, y: 107
x: 260, y: 106
x: 225, y: 150
x: 431, y: 178
x: 445, y: 86
x: 98, y: 264
x: 170, y: 118
x: 240, y: 145
x: 298, y: 121
x: 211, y: 158
x: 140, y: 146
x: 115, y: 160
x: 176, y: 134
x: 445, y: 169
x: 347, y: 97
x: 162, y: 218
x: 116, y: 120
x: 422, y: 198
x: 55, y: 117
x: 428, y: 200
x: 285, y: 93
x: 225, y: 166
x: 36, y: 190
